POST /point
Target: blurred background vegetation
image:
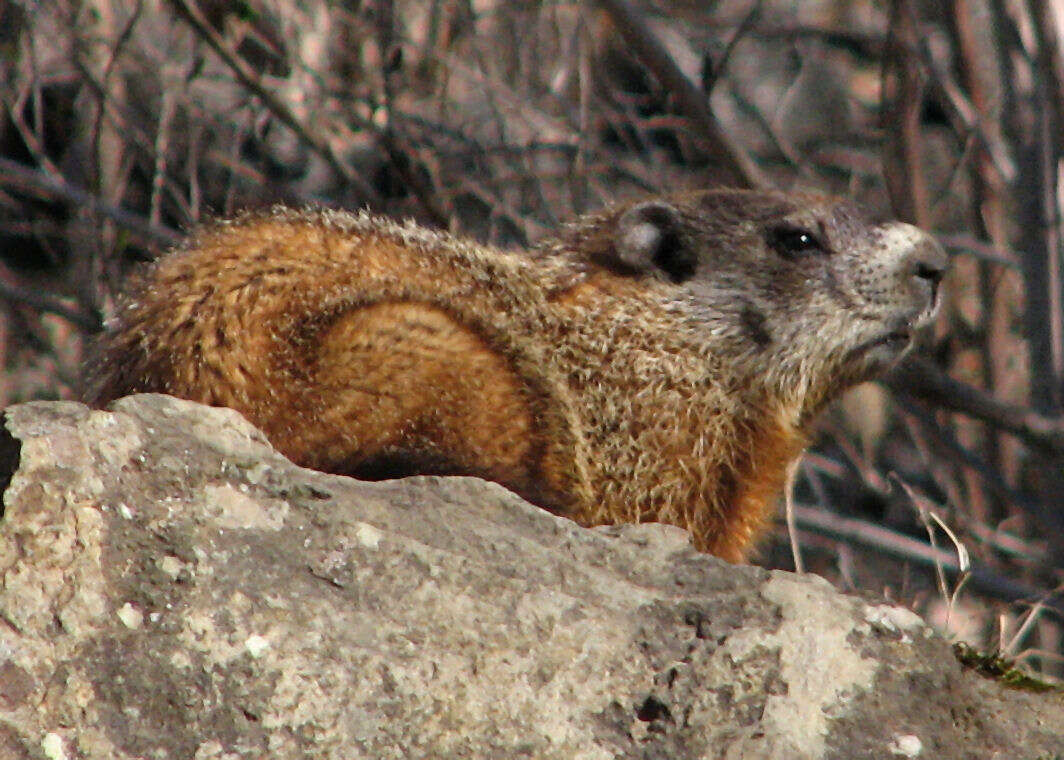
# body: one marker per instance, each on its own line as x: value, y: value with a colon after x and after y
x: 125, y: 122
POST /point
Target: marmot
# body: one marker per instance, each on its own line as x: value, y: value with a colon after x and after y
x: 657, y: 361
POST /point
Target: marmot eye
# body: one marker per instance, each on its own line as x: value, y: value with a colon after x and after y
x: 794, y: 241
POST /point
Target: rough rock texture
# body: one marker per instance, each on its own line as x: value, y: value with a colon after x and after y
x: 172, y: 588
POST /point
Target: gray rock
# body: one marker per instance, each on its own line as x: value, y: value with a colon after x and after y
x: 170, y: 587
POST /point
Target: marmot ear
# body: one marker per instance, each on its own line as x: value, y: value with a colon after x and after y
x: 648, y: 239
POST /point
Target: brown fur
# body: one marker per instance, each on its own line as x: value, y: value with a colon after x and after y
x: 658, y: 361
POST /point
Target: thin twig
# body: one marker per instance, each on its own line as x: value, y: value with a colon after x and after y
x: 944, y: 447
x: 751, y: 18
x: 11, y: 290
x: 792, y: 527
x: 1051, y: 63
x: 127, y: 124
x: 910, y: 549
x: 981, y: 250
x: 902, y: 97
x: 247, y: 77
x: 32, y: 181
x: 1046, y: 278
x: 733, y: 160
x: 868, y: 45
x: 1031, y: 617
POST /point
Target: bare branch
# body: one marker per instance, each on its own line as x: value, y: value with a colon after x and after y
x: 920, y: 379
x: 981, y: 250
x: 11, y: 290
x: 721, y: 66
x: 910, y: 549
x: 902, y: 162
x: 247, y: 77
x: 740, y: 170
x: 15, y: 175
x: 1040, y: 197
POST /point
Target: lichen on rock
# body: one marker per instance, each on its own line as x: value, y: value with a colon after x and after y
x: 171, y: 587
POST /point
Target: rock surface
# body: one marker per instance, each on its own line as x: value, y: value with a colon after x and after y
x: 170, y: 587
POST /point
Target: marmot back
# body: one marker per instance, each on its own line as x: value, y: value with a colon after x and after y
x: 657, y: 361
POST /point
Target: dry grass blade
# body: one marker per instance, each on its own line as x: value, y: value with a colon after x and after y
x: 909, y: 549
x: 792, y: 525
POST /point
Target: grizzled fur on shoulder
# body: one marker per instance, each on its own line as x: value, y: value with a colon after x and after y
x: 656, y: 361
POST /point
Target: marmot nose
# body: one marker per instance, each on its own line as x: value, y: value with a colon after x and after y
x: 927, y: 261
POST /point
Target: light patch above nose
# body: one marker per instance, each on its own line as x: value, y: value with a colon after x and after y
x: 902, y: 237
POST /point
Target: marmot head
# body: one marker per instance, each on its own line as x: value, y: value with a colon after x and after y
x: 806, y: 293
